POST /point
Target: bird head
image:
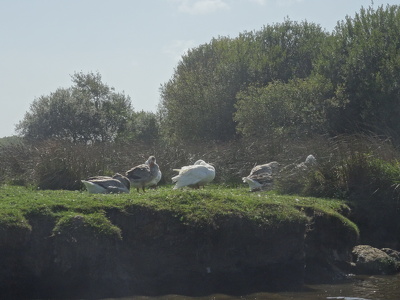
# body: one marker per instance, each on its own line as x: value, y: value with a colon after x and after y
x: 199, y: 162
x: 151, y: 160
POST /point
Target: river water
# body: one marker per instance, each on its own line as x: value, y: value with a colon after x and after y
x: 359, y: 288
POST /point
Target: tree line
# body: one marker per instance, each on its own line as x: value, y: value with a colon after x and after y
x: 291, y: 79
x: 87, y: 112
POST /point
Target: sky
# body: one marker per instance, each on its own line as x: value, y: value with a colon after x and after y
x: 134, y: 45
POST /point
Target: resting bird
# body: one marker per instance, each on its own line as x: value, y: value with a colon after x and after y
x: 309, y: 162
x: 145, y: 174
x: 107, y: 185
x: 194, y: 176
x: 261, y: 176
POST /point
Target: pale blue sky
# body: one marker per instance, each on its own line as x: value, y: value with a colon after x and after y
x: 134, y: 45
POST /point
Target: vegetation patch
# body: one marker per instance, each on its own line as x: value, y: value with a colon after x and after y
x: 95, y: 224
x: 13, y: 218
x: 80, y: 211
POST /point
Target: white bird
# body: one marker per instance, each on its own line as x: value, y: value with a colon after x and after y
x: 107, y: 185
x: 308, y: 163
x: 310, y: 160
x: 145, y: 174
x: 261, y: 176
x: 194, y: 176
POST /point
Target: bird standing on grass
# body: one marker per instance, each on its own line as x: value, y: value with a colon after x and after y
x: 195, y: 175
x: 144, y: 175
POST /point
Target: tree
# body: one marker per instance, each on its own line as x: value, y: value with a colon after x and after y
x: 142, y: 126
x: 287, y: 50
x: 362, y: 59
x: 198, y: 102
x: 89, y: 111
x: 299, y: 108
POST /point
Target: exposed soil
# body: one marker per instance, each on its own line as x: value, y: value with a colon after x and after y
x: 160, y: 254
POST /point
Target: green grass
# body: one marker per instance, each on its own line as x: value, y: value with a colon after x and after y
x: 211, y: 205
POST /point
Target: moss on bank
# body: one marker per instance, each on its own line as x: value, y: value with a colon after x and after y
x: 192, y: 207
x: 166, y: 241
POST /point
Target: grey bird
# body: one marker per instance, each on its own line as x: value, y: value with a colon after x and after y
x: 261, y: 176
x: 107, y: 185
x: 144, y: 175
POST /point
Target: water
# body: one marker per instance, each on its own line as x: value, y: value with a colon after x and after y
x: 359, y: 288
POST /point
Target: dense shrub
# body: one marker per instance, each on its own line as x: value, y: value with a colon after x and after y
x: 16, y: 164
x: 363, y: 171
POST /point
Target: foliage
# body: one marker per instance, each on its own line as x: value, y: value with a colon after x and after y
x: 363, y: 60
x: 95, y: 224
x: 367, y: 177
x: 58, y: 167
x: 9, y: 140
x: 77, y: 211
x: 364, y: 172
x: 298, y: 108
x: 293, y: 78
x: 199, y: 101
x: 16, y: 164
x: 355, y: 168
x: 89, y: 111
x: 141, y: 126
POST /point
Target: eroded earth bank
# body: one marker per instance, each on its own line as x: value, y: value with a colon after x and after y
x: 156, y: 252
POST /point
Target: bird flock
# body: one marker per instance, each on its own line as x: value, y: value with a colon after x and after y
x: 148, y: 174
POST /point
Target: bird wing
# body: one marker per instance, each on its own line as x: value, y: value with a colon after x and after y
x: 156, y: 179
x: 261, y: 169
x: 105, y: 184
x: 192, y: 175
x: 262, y: 178
x: 95, y: 178
x: 139, y: 173
x: 108, y: 183
x: 92, y: 187
x: 183, y: 169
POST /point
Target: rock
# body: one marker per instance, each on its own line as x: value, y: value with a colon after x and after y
x: 395, y: 255
x: 392, y: 253
x: 373, y: 261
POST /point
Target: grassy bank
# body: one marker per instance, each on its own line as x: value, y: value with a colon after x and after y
x: 164, y: 241
x: 192, y: 207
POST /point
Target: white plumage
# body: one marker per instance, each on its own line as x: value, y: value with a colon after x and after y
x: 253, y: 184
x: 195, y: 175
x: 310, y: 161
x: 107, y: 185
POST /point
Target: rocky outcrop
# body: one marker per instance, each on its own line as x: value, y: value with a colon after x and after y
x: 370, y: 260
x: 156, y: 252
